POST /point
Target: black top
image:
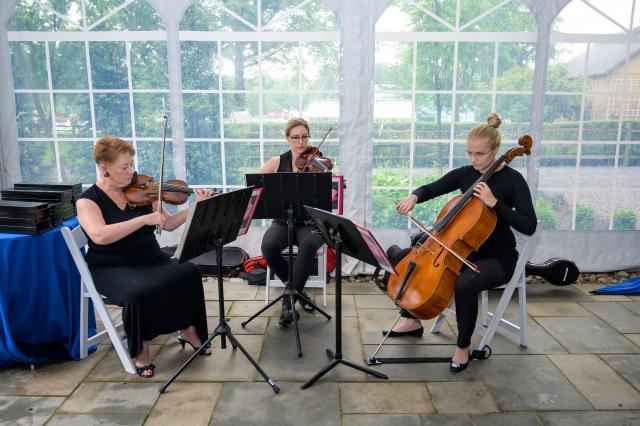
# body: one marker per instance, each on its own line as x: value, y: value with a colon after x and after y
x: 511, y: 191
x: 285, y: 163
x: 138, y: 248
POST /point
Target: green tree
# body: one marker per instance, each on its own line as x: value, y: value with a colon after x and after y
x: 585, y: 217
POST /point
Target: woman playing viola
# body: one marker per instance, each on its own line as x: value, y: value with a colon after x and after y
x: 507, y: 193
x: 275, y: 239
x: 157, y: 295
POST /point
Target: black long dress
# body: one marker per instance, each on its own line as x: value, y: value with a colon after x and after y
x: 157, y: 295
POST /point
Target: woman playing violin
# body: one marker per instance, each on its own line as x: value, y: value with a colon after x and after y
x: 157, y: 295
x: 507, y: 193
x: 275, y: 239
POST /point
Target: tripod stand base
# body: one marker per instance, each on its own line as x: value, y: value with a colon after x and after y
x: 224, y: 331
x: 336, y: 360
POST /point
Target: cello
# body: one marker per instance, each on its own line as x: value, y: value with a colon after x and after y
x: 426, y: 276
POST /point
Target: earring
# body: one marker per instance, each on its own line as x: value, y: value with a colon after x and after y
x: 106, y: 174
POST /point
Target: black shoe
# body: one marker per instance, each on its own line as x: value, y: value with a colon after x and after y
x: 413, y: 333
x: 288, y: 313
x: 308, y: 308
x: 456, y: 367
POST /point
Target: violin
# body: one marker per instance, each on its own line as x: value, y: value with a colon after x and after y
x: 143, y: 190
x: 426, y: 276
x: 312, y: 160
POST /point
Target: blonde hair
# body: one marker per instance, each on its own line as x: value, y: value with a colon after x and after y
x: 108, y: 148
x: 488, y: 131
x: 295, y: 122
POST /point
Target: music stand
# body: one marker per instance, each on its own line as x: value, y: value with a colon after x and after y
x: 211, y: 224
x: 284, y: 195
x: 343, y: 235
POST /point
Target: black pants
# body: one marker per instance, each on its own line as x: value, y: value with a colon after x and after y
x: 275, y: 240
x: 468, y: 285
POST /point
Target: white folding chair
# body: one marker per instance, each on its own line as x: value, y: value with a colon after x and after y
x: 491, y: 320
x: 314, y: 281
x: 76, y: 239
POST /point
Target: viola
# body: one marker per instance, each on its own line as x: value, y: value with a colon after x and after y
x: 143, y: 190
x: 426, y: 276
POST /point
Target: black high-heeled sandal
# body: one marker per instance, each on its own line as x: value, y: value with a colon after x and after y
x: 141, y: 370
x: 195, y: 349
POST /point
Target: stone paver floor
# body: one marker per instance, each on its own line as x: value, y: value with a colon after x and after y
x: 582, y: 367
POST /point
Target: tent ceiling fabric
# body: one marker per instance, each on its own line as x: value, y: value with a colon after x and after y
x: 357, y: 20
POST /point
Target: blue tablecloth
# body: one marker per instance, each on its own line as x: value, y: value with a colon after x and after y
x: 39, y: 299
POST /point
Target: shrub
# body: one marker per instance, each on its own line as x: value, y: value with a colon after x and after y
x: 585, y: 217
x: 624, y: 219
x: 545, y: 214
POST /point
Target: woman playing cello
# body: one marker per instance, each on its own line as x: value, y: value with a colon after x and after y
x: 275, y: 239
x: 507, y: 193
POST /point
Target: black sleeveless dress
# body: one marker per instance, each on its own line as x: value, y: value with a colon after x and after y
x: 157, y: 294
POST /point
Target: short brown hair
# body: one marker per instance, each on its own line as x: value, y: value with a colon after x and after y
x: 295, y: 122
x: 108, y: 148
x: 488, y: 131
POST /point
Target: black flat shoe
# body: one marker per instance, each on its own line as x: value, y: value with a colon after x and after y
x: 306, y: 306
x: 288, y: 313
x: 413, y: 333
x: 456, y: 367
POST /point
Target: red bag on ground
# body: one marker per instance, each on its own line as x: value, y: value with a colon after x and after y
x: 253, y: 262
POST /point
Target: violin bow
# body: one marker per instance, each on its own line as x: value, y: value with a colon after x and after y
x: 164, y: 137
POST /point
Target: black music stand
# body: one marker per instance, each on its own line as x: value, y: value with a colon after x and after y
x: 211, y: 224
x: 284, y: 195
x: 342, y: 234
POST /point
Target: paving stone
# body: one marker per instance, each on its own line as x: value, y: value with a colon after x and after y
x: 129, y: 419
x: 539, y: 342
x: 532, y: 382
x: 588, y: 288
x: 105, y: 397
x: 373, y: 301
x: 615, y: 314
x: 185, y: 403
x: 246, y: 308
x: 406, y: 420
x: 385, y: 398
x: 348, y: 305
x: 373, y: 321
x: 110, y: 369
x: 597, y: 381
x: 461, y: 397
x: 552, y: 293
x: 506, y: 419
x: 555, y: 309
x: 590, y: 418
x: 635, y: 338
x: 419, y: 372
x: 628, y: 366
x: 256, y: 326
x: 586, y: 335
x: 360, y: 287
x: 279, y: 356
x: 50, y: 379
x: 25, y: 410
x: 632, y: 306
x: 223, y: 365
x: 212, y: 309
x: 255, y: 403
x: 233, y: 289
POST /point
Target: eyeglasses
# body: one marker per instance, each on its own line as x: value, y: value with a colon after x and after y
x: 302, y: 138
x: 478, y: 155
